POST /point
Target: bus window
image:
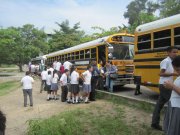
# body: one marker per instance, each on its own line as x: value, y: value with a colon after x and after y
x: 87, y: 54
x: 177, y: 36
x: 69, y: 56
x: 162, y: 38
x: 93, y: 53
x: 77, y: 55
x: 144, y: 42
x: 72, y: 56
x: 123, y: 51
x: 62, y: 57
x: 82, y: 54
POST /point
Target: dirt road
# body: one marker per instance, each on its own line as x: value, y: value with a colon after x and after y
x: 18, y: 116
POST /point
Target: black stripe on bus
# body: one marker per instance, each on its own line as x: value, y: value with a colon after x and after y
x: 151, y: 85
x: 148, y: 66
x: 149, y: 51
x: 146, y: 60
x: 164, y: 49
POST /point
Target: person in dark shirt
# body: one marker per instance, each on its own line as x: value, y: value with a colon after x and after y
x: 94, y: 80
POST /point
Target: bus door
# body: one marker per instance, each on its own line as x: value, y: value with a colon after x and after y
x: 102, y: 53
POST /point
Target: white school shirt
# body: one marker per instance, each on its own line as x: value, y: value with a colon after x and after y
x: 67, y: 65
x: 43, y: 75
x: 175, y: 97
x: 55, y: 78
x: 74, y: 77
x: 54, y: 64
x: 167, y: 65
x: 48, y: 79
x: 27, y: 82
x: 58, y: 65
x: 87, y: 76
x: 33, y: 68
x: 51, y: 69
x: 63, y: 80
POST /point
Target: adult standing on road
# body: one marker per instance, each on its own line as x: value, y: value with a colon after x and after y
x: 109, y: 70
x: 94, y: 81
x: 166, y: 74
x: 27, y: 88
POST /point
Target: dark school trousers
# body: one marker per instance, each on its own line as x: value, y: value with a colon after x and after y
x: 164, y: 97
x: 64, y: 93
x: 94, y: 81
x: 27, y: 92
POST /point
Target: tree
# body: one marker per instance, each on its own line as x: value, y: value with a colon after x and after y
x: 169, y: 8
x: 140, y: 12
x: 19, y: 45
x: 66, y: 36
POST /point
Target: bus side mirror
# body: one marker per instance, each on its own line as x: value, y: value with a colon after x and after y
x: 110, y: 56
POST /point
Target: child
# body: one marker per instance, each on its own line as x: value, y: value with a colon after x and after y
x: 74, y: 84
x: 54, y: 84
x: 172, y: 117
x: 63, y: 82
x: 48, y: 85
x: 43, y: 79
x: 86, y: 76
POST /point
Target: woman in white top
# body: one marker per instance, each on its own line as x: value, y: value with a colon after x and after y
x: 172, y: 116
x: 74, y: 89
x: 54, y: 84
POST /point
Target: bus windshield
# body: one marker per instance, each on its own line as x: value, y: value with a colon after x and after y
x: 123, y: 51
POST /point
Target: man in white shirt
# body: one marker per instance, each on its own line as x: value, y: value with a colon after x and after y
x: 67, y: 65
x: 166, y: 74
x: 27, y: 88
x: 43, y: 79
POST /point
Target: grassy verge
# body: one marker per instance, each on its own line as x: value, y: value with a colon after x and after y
x: 7, y: 66
x: 144, y: 106
x: 6, y: 87
x: 96, y: 119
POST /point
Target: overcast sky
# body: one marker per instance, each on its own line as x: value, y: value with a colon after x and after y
x: 44, y: 13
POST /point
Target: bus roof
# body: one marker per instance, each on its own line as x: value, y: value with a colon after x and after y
x: 159, y: 23
x: 85, y: 45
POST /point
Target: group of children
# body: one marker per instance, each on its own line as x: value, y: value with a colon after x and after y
x: 70, y: 92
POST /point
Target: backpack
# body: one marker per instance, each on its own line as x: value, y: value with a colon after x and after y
x: 61, y: 69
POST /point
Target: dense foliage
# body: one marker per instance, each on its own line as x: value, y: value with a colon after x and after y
x: 19, y: 44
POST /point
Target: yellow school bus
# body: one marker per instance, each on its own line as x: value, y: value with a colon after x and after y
x: 151, y: 42
x: 118, y: 48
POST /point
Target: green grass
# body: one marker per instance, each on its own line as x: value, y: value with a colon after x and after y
x: 108, y: 119
x: 7, y: 66
x: 7, y: 87
x: 140, y: 105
